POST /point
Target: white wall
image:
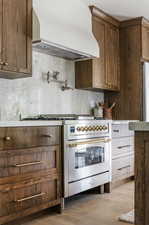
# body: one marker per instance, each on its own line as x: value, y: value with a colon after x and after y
x: 34, y: 95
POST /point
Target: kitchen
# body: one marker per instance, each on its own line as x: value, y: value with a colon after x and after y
x: 69, y: 90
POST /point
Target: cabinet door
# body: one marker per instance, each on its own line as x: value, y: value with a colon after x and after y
x: 112, y: 58
x: 145, y: 43
x: 99, y: 78
x: 17, y: 40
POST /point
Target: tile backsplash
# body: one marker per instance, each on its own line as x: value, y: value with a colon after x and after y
x: 31, y: 96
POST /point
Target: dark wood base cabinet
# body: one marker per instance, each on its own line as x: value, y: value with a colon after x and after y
x: 142, y: 177
x: 30, y: 171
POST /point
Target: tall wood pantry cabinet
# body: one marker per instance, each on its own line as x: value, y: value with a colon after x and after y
x: 103, y: 72
x: 15, y: 38
x: 134, y: 51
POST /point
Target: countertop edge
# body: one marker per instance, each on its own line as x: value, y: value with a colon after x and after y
x: 139, y: 126
x: 30, y: 123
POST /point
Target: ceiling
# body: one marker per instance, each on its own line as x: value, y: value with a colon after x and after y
x: 123, y: 9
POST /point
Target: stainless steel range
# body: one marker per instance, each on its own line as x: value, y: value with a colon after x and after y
x: 87, y: 155
x: 86, y: 151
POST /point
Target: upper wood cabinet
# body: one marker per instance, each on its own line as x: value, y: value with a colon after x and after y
x: 134, y: 50
x: 145, y: 43
x: 15, y: 38
x: 112, y: 58
x: 103, y: 72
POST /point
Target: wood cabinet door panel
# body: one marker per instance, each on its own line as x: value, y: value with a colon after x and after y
x: 17, y: 40
x: 22, y: 161
x: 24, y: 198
x: 27, y: 137
x: 112, y: 58
x: 99, y: 73
x: 145, y: 43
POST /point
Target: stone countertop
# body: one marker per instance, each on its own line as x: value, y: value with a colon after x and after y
x: 123, y: 121
x: 139, y: 126
x: 30, y: 123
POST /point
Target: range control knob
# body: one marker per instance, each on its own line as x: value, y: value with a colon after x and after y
x: 105, y: 127
x: 94, y: 128
x: 100, y: 128
x: 97, y: 128
x: 86, y: 128
x: 90, y: 128
x: 82, y: 128
x: 78, y: 129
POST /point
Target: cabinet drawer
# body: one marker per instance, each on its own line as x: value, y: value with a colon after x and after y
x: 20, y: 198
x: 122, y: 146
x: 121, y: 130
x: 24, y: 137
x: 21, y: 161
x: 121, y: 168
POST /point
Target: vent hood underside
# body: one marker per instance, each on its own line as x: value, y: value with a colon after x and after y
x: 59, y: 51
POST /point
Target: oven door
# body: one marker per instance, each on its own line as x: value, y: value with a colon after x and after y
x: 88, y: 158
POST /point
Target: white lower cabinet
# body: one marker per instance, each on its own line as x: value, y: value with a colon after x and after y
x: 122, y: 152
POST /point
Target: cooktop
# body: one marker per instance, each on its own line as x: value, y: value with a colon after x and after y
x: 60, y: 117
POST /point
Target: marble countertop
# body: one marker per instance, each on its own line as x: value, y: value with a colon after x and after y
x: 35, y: 123
x: 123, y: 121
x: 30, y: 123
x: 139, y: 126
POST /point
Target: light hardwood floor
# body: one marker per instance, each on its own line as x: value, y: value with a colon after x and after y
x: 90, y: 209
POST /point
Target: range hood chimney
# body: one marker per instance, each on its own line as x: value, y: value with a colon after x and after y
x: 63, y: 28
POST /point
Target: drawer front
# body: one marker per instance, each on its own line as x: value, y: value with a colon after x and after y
x: 122, y: 146
x: 21, y: 161
x: 120, y: 168
x: 25, y: 198
x: 26, y: 137
x: 121, y: 130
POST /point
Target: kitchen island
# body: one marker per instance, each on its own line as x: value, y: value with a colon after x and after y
x: 141, y: 172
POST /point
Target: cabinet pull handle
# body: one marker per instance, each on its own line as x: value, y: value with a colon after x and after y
x: 28, y: 164
x: 31, y: 197
x: 125, y: 146
x: 101, y: 140
x: 3, y: 63
x: 7, y: 138
x: 116, y: 131
x: 46, y: 136
x: 125, y: 167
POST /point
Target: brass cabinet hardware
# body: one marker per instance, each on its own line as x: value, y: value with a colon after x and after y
x: 7, y: 138
x: 5, y: 64
x: 46, y: 136
x: 72, y: 145
x: 28, y: 164
x: 101, y: 140
x: 29, y: 198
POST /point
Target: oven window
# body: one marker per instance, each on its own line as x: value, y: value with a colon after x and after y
x: 89, y: 156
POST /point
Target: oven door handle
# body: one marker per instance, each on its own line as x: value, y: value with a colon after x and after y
x: 101, y: 140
